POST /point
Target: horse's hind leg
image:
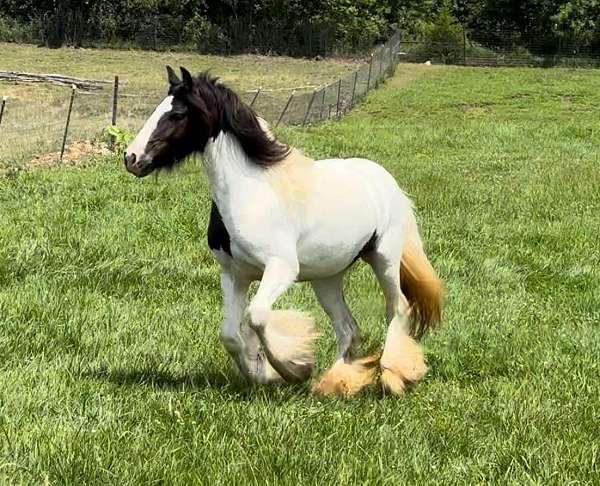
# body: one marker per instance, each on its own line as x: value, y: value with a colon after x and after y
x: 402, y: 360
x: 347, y: 376
x: 330, y: 293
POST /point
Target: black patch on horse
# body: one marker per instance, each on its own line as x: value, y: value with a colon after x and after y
x: 218, y: 237
x: 368, y: 248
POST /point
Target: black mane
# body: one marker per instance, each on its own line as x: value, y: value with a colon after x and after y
x: 223, y: 110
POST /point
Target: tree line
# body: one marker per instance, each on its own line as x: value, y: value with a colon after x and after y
x: 296, y: 27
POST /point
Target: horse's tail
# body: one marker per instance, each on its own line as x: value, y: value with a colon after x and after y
x: 422, y: 287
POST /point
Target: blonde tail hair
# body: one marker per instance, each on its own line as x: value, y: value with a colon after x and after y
x: 423, y: 289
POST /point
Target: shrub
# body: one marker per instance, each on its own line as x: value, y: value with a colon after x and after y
x: 204, y: 35
x: 12, y: 30
x: 443, y: 38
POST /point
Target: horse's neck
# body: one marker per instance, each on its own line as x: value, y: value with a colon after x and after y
x: 229, y: 169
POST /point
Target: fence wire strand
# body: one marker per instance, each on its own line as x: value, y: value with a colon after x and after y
x: 26, y: 131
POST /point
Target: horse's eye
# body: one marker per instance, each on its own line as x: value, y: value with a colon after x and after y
x: 177, y: 116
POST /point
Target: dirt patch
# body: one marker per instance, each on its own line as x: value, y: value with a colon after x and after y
x: 74, y: 156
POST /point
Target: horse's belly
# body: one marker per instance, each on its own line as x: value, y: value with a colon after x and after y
x: 337, y: 223
x: 328, y: 249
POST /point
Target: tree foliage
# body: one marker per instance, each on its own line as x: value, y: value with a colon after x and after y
x: 303, y: 27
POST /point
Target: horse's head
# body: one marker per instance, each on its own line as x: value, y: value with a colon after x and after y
x: 180, y: 125
x: 195, y: 111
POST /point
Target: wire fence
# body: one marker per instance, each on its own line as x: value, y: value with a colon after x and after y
x: 502, y: 47
x: 28, y: 130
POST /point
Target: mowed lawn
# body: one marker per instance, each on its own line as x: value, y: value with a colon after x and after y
x: 111, y: 369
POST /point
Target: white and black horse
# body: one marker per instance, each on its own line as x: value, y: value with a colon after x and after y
x: 280, y: 217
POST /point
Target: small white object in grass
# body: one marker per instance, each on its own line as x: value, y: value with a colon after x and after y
x: 427, y: 63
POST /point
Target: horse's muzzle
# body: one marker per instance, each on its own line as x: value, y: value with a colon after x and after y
x: 138, y: 167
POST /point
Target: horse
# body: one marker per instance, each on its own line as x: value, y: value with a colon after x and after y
x: 280, y: 217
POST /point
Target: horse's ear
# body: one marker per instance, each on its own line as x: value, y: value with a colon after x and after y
x: 173, y: 79
x: 188, y: 81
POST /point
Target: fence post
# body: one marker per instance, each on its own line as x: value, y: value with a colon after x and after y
x: 370, y: 69
x: 4, y: 98
x: 391, y: 70
x: 287, y: 105
x: 337, y: 106
x: 115, y: 100
x: 310, y: 104
x: 464, y: 46
x: 322, y: 103
x: 354, y: 88
x: 255, y: 97
x: 64, y: 141
x: 381, y: 51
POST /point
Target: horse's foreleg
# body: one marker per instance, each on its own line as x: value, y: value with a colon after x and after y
x: 234, y: 301
x: 286, y: 336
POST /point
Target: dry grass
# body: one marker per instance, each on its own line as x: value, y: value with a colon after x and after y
x: 35, y: 115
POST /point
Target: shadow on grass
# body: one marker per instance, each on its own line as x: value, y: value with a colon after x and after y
x: 225, y: 382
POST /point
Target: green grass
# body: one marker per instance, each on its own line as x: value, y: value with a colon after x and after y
x: 111, y: 368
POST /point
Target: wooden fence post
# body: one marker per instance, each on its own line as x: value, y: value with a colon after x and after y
x: 255, y: 97
x: 287, y: 105
x: 464, y: 46
x: 4, y: 99
x: 115, y: 101
x: 337, y: 105
x: 64, y: 141
x: 370, y: 69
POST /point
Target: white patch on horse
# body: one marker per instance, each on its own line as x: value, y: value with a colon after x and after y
x: 138, y: 146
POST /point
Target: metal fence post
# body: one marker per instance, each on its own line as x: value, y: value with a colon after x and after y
x: 322, y: 103
x: 354, y: 88
x: 64, y: 141
x: 310, y: 104
x: 370, y: 69
x: 381, y: 51
x: 4, y: 99
x: 255, y: 97
x: 337, y: 105
x: 115, y: 100
x: 287, y: 105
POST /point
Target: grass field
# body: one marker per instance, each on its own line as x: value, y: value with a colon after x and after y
x: 111, y: 368
x: 36, y: 113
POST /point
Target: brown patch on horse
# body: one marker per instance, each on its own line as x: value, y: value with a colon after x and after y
x: 293, y: 178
